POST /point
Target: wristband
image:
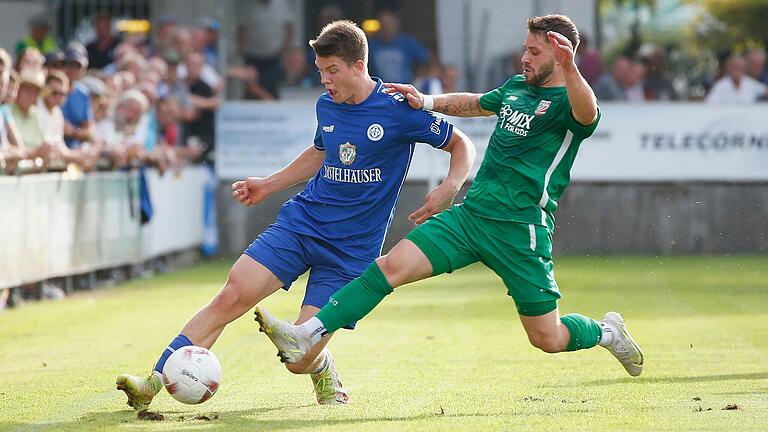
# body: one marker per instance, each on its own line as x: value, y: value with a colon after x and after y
x: 428, y: 102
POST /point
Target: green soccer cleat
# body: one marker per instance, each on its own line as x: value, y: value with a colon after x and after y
x: 623, y: 347
x: 290, y: 341
x: 328, y: 388
x: 140, y: 391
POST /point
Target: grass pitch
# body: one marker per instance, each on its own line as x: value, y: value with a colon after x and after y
x: 445, y: 354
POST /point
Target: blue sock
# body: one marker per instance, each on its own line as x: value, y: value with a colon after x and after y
x: 180, y: 342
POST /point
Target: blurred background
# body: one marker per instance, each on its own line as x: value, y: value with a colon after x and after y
x: 124, y: 123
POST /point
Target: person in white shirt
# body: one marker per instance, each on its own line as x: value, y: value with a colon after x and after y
x: 736, y: 86
x: 51, y: 120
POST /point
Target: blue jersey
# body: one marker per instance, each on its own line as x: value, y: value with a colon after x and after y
x: 368, y: 148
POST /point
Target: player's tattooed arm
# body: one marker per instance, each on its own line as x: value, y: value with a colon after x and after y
x: 452, y: 104
x: 459, y: 105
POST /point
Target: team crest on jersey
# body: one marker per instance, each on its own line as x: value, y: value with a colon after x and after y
x: 347, y: 153
x: 375, y: 132
x: 542, y: 108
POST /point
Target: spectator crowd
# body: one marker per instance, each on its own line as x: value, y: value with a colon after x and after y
x: 115, y: 103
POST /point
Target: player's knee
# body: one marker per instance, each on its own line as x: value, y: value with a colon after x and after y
x: 228, y: 298
x: 391, y: 269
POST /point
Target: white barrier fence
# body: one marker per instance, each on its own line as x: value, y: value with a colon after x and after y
x: 52, y: 225
x: 634, y: 142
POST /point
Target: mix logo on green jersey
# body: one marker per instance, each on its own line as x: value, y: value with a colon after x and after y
x: 515, y: 121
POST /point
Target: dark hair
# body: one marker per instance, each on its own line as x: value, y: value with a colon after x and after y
x: 343, y: 39
x: 556, y: 23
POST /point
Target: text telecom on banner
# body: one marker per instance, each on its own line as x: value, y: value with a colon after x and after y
x: 634, y: 142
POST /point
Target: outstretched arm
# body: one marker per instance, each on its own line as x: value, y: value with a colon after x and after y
x: 462, y: 152
x: 452, y: 104
x: 254, y: 190
x: 580, y: 94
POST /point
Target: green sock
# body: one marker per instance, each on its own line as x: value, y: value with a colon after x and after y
x: 585, y: 332
x: 355, y: 300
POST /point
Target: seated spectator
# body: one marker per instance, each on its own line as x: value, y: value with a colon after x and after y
x: 25, y: 116
x: 394, y: 55
x: 38, y: 38
x: 78, y: 114
x: 101, y: 51
x: 736, y: 86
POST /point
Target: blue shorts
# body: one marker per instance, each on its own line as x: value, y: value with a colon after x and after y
x: 289, y: 255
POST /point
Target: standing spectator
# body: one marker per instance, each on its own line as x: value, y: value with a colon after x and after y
x: 635, y: 89
x: 29, y: 58
x: 736, y: 86
x: 54, y: 61
x: 164, y: 35
x: 394, y: 55
x: 210, y: 48
x: 658, y: 84
x: 612, y: 87
x: 101, y: 51
x: 205, y: 102
x: 756, y: 65
x: 24, y: 112
x: 78, y: 114
x: 296, y: 69
x: 429, y: 78
x: 450, y: 78
x: 263, y: 36
x: 589, y: 61
x: 39, y: 27
x: 10, y: 151
x: 52, y: 120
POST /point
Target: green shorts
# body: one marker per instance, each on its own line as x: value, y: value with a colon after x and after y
x: 521, y: 254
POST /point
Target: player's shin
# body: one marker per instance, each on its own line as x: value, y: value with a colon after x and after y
x: 585, y: 332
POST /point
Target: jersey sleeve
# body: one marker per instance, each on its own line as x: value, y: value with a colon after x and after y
x: 318, y: 132
x: 425, y: 126
x: 491, y: 101
x: 577, y: 128
x: 319, y: 138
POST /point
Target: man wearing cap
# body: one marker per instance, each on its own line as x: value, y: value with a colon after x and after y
x: 39, y: 26
x: 77, y: 109
x: 25, y: 116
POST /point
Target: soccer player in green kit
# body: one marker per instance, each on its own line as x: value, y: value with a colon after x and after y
x: 506, y: 220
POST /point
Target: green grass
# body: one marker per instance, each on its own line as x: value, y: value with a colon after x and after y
x: 445, y: 354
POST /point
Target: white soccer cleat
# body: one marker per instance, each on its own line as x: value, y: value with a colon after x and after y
x: 622, y: 346
x: 291, y: 342
x: 328, y: 387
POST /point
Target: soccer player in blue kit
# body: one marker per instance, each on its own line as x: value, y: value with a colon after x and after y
x: 336, y: 226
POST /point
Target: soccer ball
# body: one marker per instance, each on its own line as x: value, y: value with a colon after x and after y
x: 192, y: 375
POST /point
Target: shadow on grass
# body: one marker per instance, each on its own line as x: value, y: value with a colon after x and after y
x: 224, y: 420
x: 684, y: 379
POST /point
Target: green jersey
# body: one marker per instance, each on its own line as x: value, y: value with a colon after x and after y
x: 527, y: 165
